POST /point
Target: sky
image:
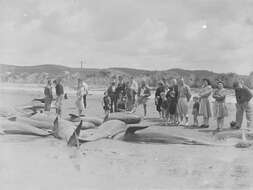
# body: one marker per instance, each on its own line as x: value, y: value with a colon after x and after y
x: 215, y: 35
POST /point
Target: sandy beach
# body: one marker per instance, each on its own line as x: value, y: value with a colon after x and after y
x: 30, y: 163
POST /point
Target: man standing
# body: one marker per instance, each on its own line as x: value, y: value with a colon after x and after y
x: 243, y: 97
x: 112, y: 94
x: 85, y: 90
x: 134, y: 89
x: 59, y: 96
x: 120, y: 90
x: 48, y: 95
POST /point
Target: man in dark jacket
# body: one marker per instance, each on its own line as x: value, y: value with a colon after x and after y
x: 48, y: 95
x: 244, y: 104
x: 59, y: 96
x: 158, y: 99
x: 120, y: 90
x: 113, y: 96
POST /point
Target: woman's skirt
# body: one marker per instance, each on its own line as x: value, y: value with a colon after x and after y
x: 220, y: 110
x: 172, y: 107
x: 182, y: 107
x: 142, y: 100
x: 205, y: 108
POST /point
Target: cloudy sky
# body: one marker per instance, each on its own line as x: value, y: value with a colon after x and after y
x: 151, y: 34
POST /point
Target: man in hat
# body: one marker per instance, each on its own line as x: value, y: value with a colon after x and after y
x: 244, y: 104
x: 59, y: 96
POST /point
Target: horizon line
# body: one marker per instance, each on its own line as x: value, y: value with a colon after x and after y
x: 70, y: 67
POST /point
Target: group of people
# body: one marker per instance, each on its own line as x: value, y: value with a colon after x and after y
x: 124, y: 95
x: 59, y: 92
x: 81, y: 94
x: 172, y: 103
x: 172, y: 100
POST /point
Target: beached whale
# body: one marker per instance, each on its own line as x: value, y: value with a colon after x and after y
x: 157, y: 134
x: 109, y: 129
x: 14, y: 127
x: 45, y: 124
x: 233, y: 133
x: 128, y: 118
x: 50, y: 117
x: 95, y: 120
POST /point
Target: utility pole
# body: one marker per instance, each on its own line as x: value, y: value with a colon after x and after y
x: 82, y: 67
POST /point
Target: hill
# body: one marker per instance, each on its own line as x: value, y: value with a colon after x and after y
x: 102, y: 77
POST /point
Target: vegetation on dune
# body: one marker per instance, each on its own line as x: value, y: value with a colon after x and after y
x: 101, y: 77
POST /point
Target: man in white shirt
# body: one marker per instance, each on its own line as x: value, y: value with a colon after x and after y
x: 134, y: 88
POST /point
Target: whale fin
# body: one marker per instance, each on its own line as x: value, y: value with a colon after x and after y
x: 74, y: 139
x: 56, y: 126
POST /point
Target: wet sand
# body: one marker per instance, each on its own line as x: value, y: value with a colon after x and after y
x: 47, y: 163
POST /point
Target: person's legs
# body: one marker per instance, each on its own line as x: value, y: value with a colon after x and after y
x: 186, y: 119
x: 239, y: 114
x: 249, y: 114
x: 84, y: 101
x: 218, y: 123
x: 145, y: 109
x: 114, y: 104
x: 222, y: 123
x: 195, y: 119
x: 206, y: 121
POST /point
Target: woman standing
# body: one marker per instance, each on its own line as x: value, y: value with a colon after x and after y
x: 59, y: 90
x: 204, y: 107
x: 184, y: 98
x: 143, y: 94
x: 220, y: 109
x: 158, y: 99
x: 79, y: 95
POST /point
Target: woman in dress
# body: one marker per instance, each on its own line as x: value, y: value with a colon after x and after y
x: 143, y: 95
x: 183, y: 101
x: 204, y: 107
x: 220, y: 109
x: 79, y: 100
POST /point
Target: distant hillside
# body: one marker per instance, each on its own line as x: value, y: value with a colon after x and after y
x: 102, y: 77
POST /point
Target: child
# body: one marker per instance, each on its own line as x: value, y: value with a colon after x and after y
x: 164, y: 106
x: 106, y: 103
x: 121, y: 103
x: 195, y: 111
x: 172, y: 106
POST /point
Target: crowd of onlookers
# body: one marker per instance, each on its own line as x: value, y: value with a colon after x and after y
x: 124, y: 95
x: 172, y: 100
